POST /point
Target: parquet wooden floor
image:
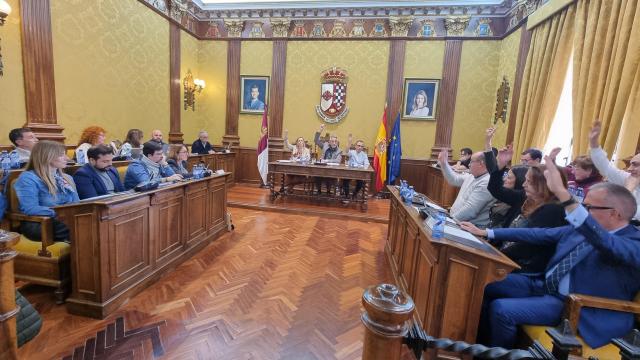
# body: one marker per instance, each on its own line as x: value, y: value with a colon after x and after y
x: 252, y: 197
x: 280, y: 286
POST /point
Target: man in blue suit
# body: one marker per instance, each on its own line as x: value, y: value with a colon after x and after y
x: 598, y: 254
x: 98, y: 177
x: 254, y: 103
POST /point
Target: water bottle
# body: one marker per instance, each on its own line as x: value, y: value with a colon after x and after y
x: 14, y: 159
x: 80, y: 157
x: 5, y: 160
x: 579, y: 194
x: 437, y: 232
x: 403, y: 189
x: 572, y: 189
x: 409, y: 195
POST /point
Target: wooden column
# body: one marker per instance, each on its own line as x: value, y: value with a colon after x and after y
x: 175, y: 127
x: 8, y: 308
x: 233, y: 94
x: 523, y: 51
x: 276, y: 97
x: 37, y: 59
x: 447, y: 97
x: 395, y: 75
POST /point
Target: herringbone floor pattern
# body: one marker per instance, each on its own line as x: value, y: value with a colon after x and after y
x: 280, y: 287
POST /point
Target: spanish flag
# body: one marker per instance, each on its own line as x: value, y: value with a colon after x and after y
x: 380, y: 152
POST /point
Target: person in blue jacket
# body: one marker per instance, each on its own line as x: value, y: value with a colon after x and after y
x: 150, y: 168
x: 98, y: 177
x: 598, y: 254
x: 42, y: 186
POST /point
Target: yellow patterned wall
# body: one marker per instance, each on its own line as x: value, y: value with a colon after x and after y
x: 211, y: 104
x: 256, y: 58
x: 13, y: 112
x: 475, y: 100
x: 191, y: 122
x: 423, y: 60
x: 507, y: 68
x: 111, y: 63
x: 366, y: 64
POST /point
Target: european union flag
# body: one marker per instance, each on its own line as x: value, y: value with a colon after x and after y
x: 395, y: 153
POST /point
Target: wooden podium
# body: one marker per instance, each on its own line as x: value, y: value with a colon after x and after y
x: 446, y: 278
x: 121, y: 244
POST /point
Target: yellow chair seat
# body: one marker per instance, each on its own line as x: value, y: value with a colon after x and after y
x: 26, y: 246
x: 607, y: 352
x: 122, y: 171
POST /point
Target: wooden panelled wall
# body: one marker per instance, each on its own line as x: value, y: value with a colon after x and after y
x: 41, y: 109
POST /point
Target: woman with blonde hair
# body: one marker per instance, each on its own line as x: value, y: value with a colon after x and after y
x: 299, y: 151
x: 91, y: 136
x: 177, y: 159
x: 42, y: 186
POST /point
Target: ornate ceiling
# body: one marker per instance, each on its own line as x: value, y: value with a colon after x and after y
x: 346, y: 19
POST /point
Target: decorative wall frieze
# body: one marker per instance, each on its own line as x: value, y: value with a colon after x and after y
x: 318, y: 30
x: 338, y: 30
x: 358, y: 29
x: 484, y: 28
x: 280, y: 27
x: 427, y: 29
x: 298, y: 30
x: 456, y: 25
x: 234, y: 27
x: 379, y: 29
x: 400, y: 25
x: 256, y: 30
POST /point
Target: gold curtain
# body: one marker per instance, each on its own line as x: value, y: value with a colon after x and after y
x: 605, y: 70
x: 544, y: 75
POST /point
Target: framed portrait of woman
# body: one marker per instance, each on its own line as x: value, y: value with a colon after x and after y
x: 420, y: 99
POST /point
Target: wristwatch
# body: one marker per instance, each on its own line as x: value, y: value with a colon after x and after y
x: 571, y: 201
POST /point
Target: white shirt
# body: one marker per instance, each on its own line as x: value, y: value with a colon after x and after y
x: 474, y: 200
x: 423, y: 111
x: 612, y: 173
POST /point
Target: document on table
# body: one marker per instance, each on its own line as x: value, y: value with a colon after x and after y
x: 450, y: 230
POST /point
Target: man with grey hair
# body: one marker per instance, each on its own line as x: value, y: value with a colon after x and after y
x: 202, y: 146
x: 330, y: 153
x: 474, y: 199
x: 597, y: 254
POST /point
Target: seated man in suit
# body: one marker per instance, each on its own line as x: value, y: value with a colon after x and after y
x: 202, y: 146
x: 330, y: 153
x: 98, y: 177
x: 474, y: 200
x: 150, y: 168
x: 598, y: 254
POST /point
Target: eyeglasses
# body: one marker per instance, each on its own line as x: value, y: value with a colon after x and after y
x: 590, y: 207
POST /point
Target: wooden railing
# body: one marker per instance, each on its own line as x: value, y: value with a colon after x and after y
x: 8, y: 308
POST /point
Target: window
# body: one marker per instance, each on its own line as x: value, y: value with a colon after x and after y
x: 561, y: 132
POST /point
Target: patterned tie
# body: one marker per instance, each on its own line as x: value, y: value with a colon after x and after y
x: 552, y: 280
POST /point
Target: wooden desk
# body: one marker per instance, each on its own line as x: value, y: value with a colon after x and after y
x: 338, y: 172
x: 225, y: 161
x: 122, y: 244
x: 445, y: 278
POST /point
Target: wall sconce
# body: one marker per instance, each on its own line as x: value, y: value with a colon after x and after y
x: 191, y: 87
x: 5, y: 10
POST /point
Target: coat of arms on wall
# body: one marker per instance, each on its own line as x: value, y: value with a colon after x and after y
x: 333, y: 95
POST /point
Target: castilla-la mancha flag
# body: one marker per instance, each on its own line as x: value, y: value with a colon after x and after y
x: 263, y: 148
x: 380, y: 152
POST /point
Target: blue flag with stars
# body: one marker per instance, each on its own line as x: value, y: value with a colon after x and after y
x: 395, y: 153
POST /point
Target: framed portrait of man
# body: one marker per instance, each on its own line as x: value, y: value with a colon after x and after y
x: 420, y: 99
x: 254, y: 92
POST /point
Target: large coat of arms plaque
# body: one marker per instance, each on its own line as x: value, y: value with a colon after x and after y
x: 333, y: 95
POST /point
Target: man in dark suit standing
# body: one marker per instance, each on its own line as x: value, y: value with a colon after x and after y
x: 598, y: 254
x: 98, y: 177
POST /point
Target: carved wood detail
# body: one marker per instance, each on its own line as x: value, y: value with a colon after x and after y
x: 523, y: 51
x: 175, y: 126
x: 37, y: 59
x: 233, y: 94
x: 447, y: 97
x: 395, y: 84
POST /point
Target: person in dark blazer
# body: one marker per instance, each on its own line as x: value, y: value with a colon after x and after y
x: 598, y: 254
x: 202, y: 145
x: 98, y: 177
x: 177, y: 160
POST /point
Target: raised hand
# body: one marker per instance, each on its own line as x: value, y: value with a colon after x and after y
x: 467, y: 226
x: 489, y: 134
x: 554, y: 180
x: 504, y: 156
x: 443, y: 157
x: 594, y: 134
x: 322, y: 127
x: 554, y: 153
